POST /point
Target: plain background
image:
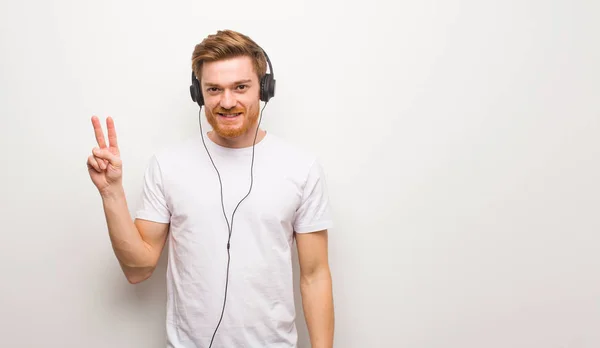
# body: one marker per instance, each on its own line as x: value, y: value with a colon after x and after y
x: 461, y: 142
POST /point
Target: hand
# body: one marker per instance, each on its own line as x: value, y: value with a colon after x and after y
x: 104, y: 164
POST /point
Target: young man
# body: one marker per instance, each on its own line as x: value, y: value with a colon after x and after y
x: 231, y: 201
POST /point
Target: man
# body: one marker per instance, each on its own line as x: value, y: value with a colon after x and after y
x: 232, y: 201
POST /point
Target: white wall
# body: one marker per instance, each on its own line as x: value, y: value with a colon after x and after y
x: 460, y: 139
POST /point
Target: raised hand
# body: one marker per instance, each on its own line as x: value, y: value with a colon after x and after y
x: 104, y: 164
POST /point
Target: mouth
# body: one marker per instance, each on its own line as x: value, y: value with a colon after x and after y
x: 232, y: 115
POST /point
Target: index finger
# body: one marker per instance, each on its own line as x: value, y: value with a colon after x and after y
x: 98, y: 132
x: 112, y: 133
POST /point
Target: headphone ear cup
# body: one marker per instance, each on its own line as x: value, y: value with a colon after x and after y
x: 272, y: 87
x: 267, y: 87
x: 195, y: 91
x: 262, y: 88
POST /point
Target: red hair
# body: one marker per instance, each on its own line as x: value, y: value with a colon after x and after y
x: 228, y: 44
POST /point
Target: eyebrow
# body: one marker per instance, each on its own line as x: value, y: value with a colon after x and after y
x: 211, y: 84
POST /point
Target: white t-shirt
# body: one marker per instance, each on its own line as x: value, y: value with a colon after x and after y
x: 289, y: 194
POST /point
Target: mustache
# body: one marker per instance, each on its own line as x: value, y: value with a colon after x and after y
x: 220, y: 110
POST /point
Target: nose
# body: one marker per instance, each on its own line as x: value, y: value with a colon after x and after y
x: 227, y: 99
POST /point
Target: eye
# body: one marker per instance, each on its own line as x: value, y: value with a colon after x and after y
x: 212, y: 89
x: 242, y: 87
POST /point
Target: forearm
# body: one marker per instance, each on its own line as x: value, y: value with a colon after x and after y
x: 130, y: 249
x: 317, y: 302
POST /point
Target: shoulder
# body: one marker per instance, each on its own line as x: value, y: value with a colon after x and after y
x: 295, y: 162
x: 175, y: 154
x: 177, y: 149
x: 290, y: 153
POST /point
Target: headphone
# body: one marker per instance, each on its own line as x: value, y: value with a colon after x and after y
x: 267, y: 85
x: 267, y: 91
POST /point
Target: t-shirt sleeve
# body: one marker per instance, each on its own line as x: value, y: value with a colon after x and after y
x: 153, y: 205
x: 314, y: 214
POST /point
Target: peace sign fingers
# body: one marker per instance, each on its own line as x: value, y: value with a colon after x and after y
x: 98, y: 132
x: 112, y: 135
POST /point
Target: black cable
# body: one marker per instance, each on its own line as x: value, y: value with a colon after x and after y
x: 229, y: 226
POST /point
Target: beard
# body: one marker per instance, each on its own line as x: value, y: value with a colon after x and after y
x: 235, y: 128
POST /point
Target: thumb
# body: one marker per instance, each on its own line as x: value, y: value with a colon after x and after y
x: 104, y: 153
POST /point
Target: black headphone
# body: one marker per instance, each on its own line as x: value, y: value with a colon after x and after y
x: 267, y: 85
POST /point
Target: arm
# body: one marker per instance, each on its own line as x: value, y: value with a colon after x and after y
x: 316, y: 287
x: 137, y: 245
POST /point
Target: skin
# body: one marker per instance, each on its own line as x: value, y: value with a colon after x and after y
x: 228, y: 86
x: 232, y: 86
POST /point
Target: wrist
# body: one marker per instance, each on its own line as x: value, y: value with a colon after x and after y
x: 112, y: 193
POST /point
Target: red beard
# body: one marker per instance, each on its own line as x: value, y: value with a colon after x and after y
x: 234, y: 127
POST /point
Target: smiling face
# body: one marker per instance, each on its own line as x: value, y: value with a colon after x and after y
x: 230, y: 88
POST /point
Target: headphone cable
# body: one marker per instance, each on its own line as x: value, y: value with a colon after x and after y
x: 229, y: 226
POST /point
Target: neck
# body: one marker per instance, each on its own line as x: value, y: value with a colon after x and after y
x: 244, y: 140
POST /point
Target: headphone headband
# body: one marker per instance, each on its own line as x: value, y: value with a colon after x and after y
x: 268, y: 63
x: 267, y: 85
